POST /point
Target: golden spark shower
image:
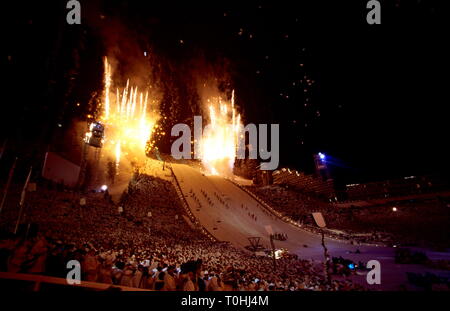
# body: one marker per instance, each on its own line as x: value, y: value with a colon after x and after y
x: 218, y: 146
x: 129, y: 115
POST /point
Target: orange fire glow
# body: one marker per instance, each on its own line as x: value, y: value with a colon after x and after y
x: 218, y: 145
x: 128, y: 123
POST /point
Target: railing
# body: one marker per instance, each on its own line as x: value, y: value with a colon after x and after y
x: 305, y: 227
x: 38, y: 280
x: 187, y: 208
x: 258, y: 199
x: 265, y: 205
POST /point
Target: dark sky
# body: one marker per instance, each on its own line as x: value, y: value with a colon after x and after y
x: 372, y: 97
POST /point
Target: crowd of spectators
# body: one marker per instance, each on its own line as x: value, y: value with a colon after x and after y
x: 392, y: 224
x: 148, y: 245
x: 298, y: 207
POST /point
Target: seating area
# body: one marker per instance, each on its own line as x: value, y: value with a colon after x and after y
x: 323, y: 189
x: 393, y: 223
x: 142, y: 242
x: 397, y: 187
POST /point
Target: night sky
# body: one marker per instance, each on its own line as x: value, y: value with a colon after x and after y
x: 371, y: 97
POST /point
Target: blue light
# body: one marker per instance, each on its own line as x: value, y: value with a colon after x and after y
x: 321, y: 156
x: 351, y: 266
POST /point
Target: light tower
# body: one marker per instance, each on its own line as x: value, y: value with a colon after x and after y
x: 320, y: 161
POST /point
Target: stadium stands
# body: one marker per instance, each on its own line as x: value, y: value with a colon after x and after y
x: 134, y: 248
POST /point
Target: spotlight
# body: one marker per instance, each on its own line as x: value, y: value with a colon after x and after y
x: 394, y: 209
x: 321, y: 156
x: 104, y: 187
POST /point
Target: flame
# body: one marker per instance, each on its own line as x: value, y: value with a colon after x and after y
x: 218, y: 145
x: 128, y: 125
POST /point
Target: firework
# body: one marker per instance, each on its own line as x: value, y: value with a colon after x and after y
x: 128, y: 124
x: 218, y: 146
